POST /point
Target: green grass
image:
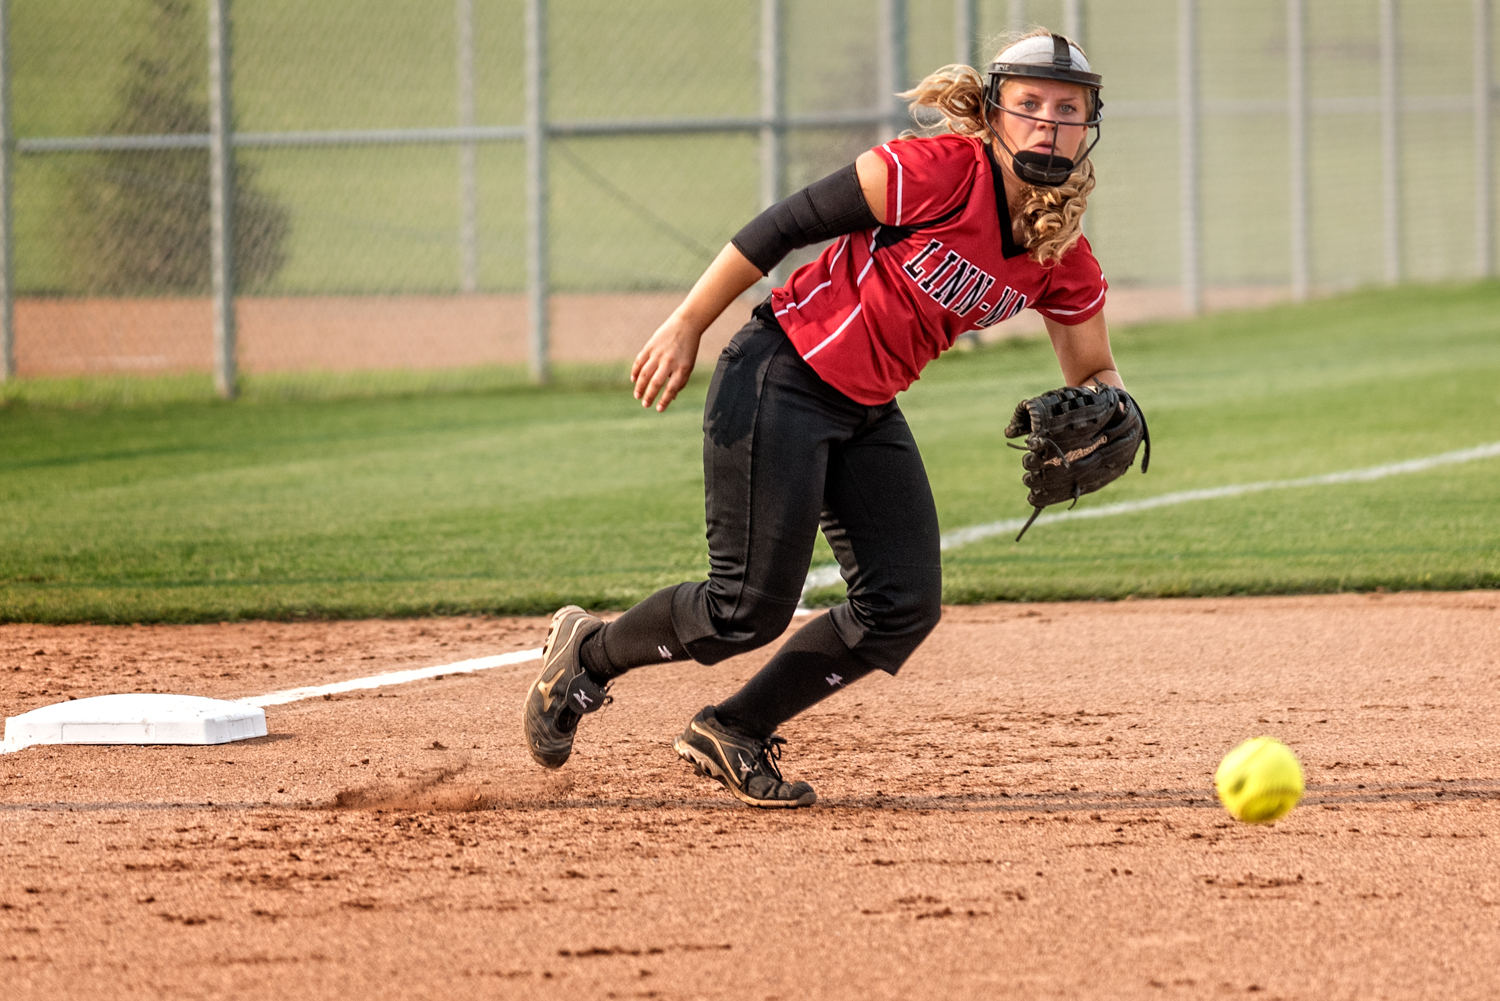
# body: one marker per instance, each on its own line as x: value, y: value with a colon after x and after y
x: 83, y: 392
x: 390, y: 501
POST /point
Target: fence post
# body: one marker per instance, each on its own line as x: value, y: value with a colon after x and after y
x: 1484, y: 184
x: 772, y: 104
x: 773, y: 114
x: 221, y: 196
x: 1187, y: 142
x: 468, y: 180
x: 1390, y: 137
x: 893, y: 64
x: 537, y: 276
x: 1074, y: 24
x: 7, y: 248
x: 1015, y: 16
x: 1296, y: 92
x: 966, y: 34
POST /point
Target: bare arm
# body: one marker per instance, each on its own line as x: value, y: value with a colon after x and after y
x: 1083, y: 352
x: 872, y: 178
x: 663, y: 366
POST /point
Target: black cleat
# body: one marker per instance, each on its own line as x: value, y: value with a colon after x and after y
x: 745, y: 765
x: 563, y: 692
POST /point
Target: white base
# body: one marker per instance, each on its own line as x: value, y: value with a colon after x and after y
x: 137, y: 719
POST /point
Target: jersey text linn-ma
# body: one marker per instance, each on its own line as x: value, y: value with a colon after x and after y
x: 877, y: 306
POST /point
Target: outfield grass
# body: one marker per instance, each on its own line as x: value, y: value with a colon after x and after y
x: 517, y: 499
x: 117, y: 390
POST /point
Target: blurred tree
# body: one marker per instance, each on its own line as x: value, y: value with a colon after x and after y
x: 140, y: 220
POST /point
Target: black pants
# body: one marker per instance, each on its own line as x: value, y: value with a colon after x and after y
x: 783, y: 454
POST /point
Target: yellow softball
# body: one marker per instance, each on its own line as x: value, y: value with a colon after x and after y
x: 1259, y: 781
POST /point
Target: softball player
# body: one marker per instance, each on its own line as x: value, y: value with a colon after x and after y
x: 933, y: 237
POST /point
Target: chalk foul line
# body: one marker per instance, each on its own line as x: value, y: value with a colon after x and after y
x: 827, y: 576
x: 392, y: 678
x: 281, y: 698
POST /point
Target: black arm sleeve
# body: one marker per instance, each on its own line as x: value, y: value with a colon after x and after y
x: 824, y: 209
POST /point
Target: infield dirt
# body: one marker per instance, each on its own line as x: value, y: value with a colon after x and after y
x: 1025, y: 811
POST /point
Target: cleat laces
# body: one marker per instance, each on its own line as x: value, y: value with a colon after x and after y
x: 770, y: 754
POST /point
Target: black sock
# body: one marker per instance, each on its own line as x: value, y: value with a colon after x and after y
x: 643, y: 635
x: 812, y: 665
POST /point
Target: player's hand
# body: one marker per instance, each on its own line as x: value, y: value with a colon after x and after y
x: 665, y: 363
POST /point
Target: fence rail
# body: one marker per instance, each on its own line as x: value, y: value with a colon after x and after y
x: 685, y: 126
x: 1191, y: 109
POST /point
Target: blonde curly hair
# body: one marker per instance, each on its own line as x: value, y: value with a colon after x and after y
x: 1050, y: 219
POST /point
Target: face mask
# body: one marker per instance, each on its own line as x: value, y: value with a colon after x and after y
x: 1048, y: 170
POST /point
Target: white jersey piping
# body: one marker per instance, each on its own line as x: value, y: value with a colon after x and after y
x: 897, y: 161
x: 847, y: 320
x: 866, y: 269
x: 1075, y: 312
x: 831, y: 262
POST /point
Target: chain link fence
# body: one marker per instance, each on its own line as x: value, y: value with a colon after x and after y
x: 472, y: 191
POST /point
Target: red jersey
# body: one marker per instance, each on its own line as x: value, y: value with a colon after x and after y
x: 877, y: 306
